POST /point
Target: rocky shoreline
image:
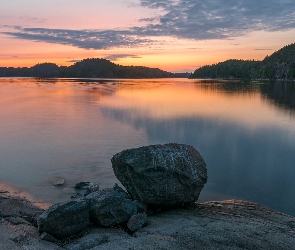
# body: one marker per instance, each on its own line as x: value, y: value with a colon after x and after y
x: 158, y: 210
x: 230, y: 224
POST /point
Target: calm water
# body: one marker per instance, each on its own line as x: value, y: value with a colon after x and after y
x: 71, y: 128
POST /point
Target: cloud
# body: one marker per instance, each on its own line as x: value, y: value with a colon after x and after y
x: 8, y: 55
x: 33, y: 19
x: 263, y: 49
x: 115, y: 57
x: 74, y: 60
x: 86, y: 39
x: 155, y: 4
x: 218, y: 19
x: 184, y: 19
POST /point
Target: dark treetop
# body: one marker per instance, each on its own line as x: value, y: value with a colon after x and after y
x: 89, y: 68
x: 280, y: 65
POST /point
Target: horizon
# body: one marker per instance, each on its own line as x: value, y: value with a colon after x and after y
x: 174, y: 35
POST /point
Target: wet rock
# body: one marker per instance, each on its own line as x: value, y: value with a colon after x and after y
x: 57, y: 181
x: 91, y: 190
x: 76, y: 196
x: 112, y: 206
x: 64, y: 219
x: 136, y: 221
x: 86, y: 185
x: 170, y: 174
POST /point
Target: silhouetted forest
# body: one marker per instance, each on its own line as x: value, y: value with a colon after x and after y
x: 89, y: 68
x: 280, y: 65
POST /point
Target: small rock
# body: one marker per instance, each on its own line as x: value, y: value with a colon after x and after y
x: 64, y: 219
x: 136, y: 221
x: 57, y: 181
x: 86, y: 185
x: 91, y: 190
x: 112, y: 206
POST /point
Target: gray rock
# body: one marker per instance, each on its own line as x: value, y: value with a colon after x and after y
x: 112, y: 206
x: 64, y: 219
x: 57, y: 181
x: 48, y: 237
x: 96, y: 237
x: 211, y: 225
x: 136, y: 221
x: 170, y: 174
x: 85, y: 188
x: 20, y: 209
x: 86, y: 185
x: 91, y: 190
x: 230, y: 225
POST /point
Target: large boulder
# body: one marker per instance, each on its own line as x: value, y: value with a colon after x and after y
x: 112, y: 206
x: 64, y: 219
x: 170, y: 174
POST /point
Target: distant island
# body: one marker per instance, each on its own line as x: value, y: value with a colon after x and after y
x: 89, y: 68
x: 280, y: 65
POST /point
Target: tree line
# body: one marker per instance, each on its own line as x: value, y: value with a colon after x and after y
x: 89, y: 68
x: 280, y: 65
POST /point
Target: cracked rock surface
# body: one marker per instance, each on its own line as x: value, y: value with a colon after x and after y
x: 169, y: 174
x: 231, y: 224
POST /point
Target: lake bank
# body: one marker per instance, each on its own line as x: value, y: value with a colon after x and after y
x: 230, y: 224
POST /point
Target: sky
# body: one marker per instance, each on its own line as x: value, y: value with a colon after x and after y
x: 174, y: 35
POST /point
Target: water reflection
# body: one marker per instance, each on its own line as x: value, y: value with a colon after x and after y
x: 247, y: 145
x: 226, y: 86
x: 280, y: 93
x: 256, y: 165
x: 72, y: 127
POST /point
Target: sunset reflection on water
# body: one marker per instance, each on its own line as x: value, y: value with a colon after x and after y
x: 71, y: 128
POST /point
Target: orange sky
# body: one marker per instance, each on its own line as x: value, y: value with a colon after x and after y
x: 173, y: 36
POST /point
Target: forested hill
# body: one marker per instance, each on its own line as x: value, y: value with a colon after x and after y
x: 89, y: 68
x: 280, y: 65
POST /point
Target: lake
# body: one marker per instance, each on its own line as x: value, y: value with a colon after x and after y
x: 71, y: 128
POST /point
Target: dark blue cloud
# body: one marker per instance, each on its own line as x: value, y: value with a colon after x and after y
x: 87, y: 39
x: 187, y: 19
x: 217, y: 19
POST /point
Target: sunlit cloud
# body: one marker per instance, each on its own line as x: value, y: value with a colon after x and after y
x: 115, y: 57
x: 180, y: 19
x: 263, y: 49
x: 74, y: 60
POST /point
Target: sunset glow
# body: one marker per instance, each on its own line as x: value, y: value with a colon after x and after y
x: 193, y: 100
x: 175, y: 36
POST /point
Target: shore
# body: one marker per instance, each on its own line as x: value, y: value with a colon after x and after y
x: 229, y: 224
